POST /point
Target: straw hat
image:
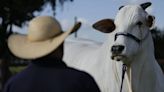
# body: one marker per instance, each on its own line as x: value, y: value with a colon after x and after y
x: 44, y: 36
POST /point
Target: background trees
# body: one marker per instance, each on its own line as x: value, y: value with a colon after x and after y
x: 158, y: 37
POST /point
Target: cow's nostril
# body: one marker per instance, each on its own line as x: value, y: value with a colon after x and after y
x: 117, y: 49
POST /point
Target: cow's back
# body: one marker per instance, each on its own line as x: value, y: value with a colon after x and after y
x: 79, y: 52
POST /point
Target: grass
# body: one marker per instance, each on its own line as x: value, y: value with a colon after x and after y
x: 16, y: 69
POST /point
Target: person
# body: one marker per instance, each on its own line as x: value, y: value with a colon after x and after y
x: 43, y: 45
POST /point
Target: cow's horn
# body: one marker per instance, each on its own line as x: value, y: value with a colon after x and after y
x: 145, y: 5
x: 121, y: 7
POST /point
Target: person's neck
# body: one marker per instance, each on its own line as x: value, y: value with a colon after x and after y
x: 48, y: 59
x: 49, y: 62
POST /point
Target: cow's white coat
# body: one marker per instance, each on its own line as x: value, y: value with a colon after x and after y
x: 143, y: 75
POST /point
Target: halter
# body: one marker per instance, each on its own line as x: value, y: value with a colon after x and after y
x: 131, y: 36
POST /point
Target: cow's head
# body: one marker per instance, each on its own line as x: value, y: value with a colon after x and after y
x: 131, y: 27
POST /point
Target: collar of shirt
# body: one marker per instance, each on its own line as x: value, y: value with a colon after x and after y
x: 50, y: 62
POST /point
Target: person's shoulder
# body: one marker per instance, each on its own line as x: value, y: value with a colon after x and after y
x: 19, y: 75
x: 11, y: 80
x: 80, y: 72
x: 86, y: 80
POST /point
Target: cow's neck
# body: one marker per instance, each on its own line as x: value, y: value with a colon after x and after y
x: 140, y: 69
x: 113, y: 67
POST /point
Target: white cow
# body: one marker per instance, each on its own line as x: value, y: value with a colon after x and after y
x: 130, y: 41
x: 94, y: 58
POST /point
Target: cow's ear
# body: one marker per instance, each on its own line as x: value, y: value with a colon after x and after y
x: 105, y: 25
x: 150, y: 20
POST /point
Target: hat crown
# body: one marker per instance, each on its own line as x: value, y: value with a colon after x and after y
x: 42, y: 28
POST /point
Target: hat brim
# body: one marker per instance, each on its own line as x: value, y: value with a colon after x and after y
x: 21, y: 47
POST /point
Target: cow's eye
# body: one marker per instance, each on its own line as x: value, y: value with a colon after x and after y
x: 139, y: 23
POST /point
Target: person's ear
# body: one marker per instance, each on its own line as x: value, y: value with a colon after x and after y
x: 105, y: 25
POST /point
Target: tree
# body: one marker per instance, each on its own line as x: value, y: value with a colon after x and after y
x: 158, y: 37
x: 17, y: 12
